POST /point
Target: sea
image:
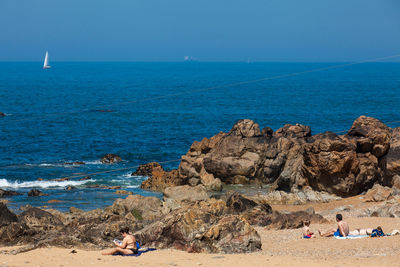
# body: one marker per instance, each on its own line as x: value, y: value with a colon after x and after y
x: 144, y: 112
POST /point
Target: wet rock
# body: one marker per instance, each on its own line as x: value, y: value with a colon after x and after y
x: 147, y: 169
x: 36, y: 193
x: 8, y: 193
x: 6, y: 216
x: 110, y: 158
x: 70, y: 187
x: 85, y: 178
x: 2, y: 114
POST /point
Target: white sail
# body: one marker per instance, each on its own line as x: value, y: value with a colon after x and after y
x: 46, y: 61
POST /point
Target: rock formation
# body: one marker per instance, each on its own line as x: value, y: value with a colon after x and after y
x: 8, y: 193
x: 36, y: 193
x: 159, y: 179
x: 291, y: 159
x: 110, y: 158
x: 198, y: 225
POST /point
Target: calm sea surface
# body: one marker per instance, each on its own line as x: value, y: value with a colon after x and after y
x: 157, y: 111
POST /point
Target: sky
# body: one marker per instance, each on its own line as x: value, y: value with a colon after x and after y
x: 209, y: 30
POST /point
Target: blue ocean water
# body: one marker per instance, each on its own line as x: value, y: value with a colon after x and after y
x: 156, y: 112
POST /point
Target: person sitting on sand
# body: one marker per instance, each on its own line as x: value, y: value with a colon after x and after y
x: 126, y: 247
x: 342, y: 230
x: 306, y: 230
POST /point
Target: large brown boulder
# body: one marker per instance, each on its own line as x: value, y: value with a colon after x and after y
x: 350, y: 164
x: 141, y: 208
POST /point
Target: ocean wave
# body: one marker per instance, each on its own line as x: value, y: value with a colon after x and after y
x: 41, y: 184
x: 93, y: 162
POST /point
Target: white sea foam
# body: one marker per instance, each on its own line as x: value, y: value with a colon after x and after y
x: 41, y: 184
x: 93, y: 162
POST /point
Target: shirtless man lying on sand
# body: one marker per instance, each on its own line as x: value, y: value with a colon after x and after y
x: 342, y: 230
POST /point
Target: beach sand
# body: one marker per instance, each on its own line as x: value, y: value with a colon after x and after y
x: 279, y: 248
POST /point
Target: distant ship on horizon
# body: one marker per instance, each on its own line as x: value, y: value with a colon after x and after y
x: 46, y: 61
x: 189, y: 59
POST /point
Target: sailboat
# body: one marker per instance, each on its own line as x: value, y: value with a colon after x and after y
x: 46, y: 61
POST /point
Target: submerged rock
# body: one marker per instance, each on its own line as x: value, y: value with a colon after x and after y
x: 2, y: 114
x: 36, y: 193
x: 8, y: 193
x: 110, y: 158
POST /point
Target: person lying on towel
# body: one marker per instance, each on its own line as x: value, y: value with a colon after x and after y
x: 126, y: 246
x: 342, y: 230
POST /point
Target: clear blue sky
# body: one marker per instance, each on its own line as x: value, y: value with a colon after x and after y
x: 210, y: 30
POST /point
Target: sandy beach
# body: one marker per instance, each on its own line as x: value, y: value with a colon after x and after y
x: 279, y: 247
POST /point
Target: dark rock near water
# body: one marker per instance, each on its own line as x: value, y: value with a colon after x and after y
x: 159, y: 179
x: 6, y: 216
x: 110, y: 158
x: 2, y: 114
x: 36, y: 193
x: 8, y: 193
x: 70, y: 187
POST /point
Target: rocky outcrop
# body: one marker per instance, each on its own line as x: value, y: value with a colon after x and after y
x: 202, y: 228
x: 211, y: 225
x: 8, y: 193
x: 291, y: 158
x: 2, y: 114
x: 159, y: 179
x: 110, y: 158
x: 36, y: 193
x: 393, y: 157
